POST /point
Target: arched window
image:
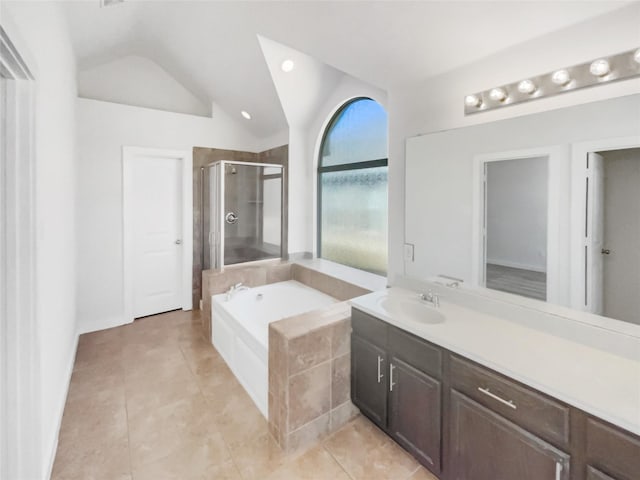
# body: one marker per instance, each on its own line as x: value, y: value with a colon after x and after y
x: 352, y: 187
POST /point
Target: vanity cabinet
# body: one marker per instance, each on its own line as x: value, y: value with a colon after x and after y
x: 485, y: 445
x: 368, y: 380
x: 611, y: 453
x: 466, y: 422
x: 393, y: 382
x: 501, y: 430
x: 414, y: 412
x: 595, y: 474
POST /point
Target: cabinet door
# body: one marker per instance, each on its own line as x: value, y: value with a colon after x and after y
x: 369, y: 380
x: 595, y: 474
x: 414, y: 412
x: 612, y: 450
x: 486, y: 446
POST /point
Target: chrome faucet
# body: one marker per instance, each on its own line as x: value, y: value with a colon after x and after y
x: 233, y: 289
x: 431, y: 298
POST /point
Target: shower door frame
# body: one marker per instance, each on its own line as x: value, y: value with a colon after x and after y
x: 218, y: 250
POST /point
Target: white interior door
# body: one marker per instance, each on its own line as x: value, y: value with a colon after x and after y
x: 156, y: 205
x: 594, y: 234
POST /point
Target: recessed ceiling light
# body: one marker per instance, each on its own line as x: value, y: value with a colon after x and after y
x: 600, y: 68
x: 287, y: 65
x: 561, y: 77
x: 245, y: 114
x: 527, y: 86
x: 498, y: 94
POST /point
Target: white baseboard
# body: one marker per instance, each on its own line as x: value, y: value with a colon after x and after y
x: 61, y: 404
x: 522, y: 266
x: 102, y: 324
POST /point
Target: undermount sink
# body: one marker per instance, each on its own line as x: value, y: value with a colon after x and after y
x: 411, y: 309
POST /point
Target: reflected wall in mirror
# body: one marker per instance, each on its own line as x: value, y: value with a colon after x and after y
x: 493, y: 236
x: 515, y: 226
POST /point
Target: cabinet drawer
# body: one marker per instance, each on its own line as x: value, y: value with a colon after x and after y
x: 537, y: 413
x: 613, y: 451
x: 416, y: 352
x: 369, y: 328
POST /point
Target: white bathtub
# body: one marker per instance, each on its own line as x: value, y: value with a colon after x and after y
x: 240, y: 329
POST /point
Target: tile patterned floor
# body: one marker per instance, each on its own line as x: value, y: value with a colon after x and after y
x: 153, y: 401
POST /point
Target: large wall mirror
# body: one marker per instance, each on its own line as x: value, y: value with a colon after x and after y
x: 544, y: 206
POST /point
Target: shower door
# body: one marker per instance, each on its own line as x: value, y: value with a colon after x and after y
x: 241, y: 213
x: 252, y: 213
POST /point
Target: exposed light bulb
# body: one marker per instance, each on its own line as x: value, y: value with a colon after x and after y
x: 472, y: 101
x: 245, y: 114
x: 498, y: 94
x: 561, y: 77
x: 527, y: 86
x: 287, y: 65
x: 600, y: 68
x: 636, y: 55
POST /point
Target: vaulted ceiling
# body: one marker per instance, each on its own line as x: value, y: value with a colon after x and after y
x: 212, y: 47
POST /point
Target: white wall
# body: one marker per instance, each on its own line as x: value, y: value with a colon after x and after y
x: 517, y: 213
x: 437, y: 104
x: 622, y: 234
x: 43, y: 33
x: 103, y: 129
x: 134, y: 80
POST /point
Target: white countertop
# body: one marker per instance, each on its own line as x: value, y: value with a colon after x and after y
x: 566, y: 364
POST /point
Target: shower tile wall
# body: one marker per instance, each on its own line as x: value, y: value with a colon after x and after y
x: 203, y: 156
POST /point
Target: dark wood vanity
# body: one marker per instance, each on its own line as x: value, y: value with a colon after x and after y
x: 464, y: 421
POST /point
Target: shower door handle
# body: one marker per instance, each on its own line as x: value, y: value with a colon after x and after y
x: 231, y: 218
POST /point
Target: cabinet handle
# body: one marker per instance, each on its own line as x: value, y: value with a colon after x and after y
x: 380, y: 374
x: 508, y: 403
x: 391, y: 369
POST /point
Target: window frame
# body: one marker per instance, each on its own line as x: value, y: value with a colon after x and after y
x: 380, y: 162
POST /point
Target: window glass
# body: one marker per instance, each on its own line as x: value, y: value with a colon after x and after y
x: 353, y: 188
x: 358, y: 133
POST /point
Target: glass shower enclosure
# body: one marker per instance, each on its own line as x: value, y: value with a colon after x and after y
x: 241, y: 212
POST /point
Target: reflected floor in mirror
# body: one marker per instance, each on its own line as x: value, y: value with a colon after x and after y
x: 153, y: 400
x: 517, y: 280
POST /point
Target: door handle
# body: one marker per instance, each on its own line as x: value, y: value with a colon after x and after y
x: 178, y: 242
x: 380, y: 374
x: 489, y: 393
x: 391, y: 383
x: 605, y: 251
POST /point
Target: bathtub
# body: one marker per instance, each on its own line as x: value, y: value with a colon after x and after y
x: 240, y: 329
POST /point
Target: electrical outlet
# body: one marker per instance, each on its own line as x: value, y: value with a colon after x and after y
x: 408, y: 252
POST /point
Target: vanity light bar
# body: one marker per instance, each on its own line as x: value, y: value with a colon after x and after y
x: 601, y: 70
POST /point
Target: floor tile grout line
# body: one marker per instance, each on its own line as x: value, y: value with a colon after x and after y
x: 324, y: 445
x: 226, y: 443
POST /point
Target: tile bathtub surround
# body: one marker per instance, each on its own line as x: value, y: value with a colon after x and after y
x: 332, y: 286
x: 270, y: 271
x: 309, y: 354
x: 153, y: 401
x: 309, y: 376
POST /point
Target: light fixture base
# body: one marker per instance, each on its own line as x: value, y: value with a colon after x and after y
x: 621, y: 66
